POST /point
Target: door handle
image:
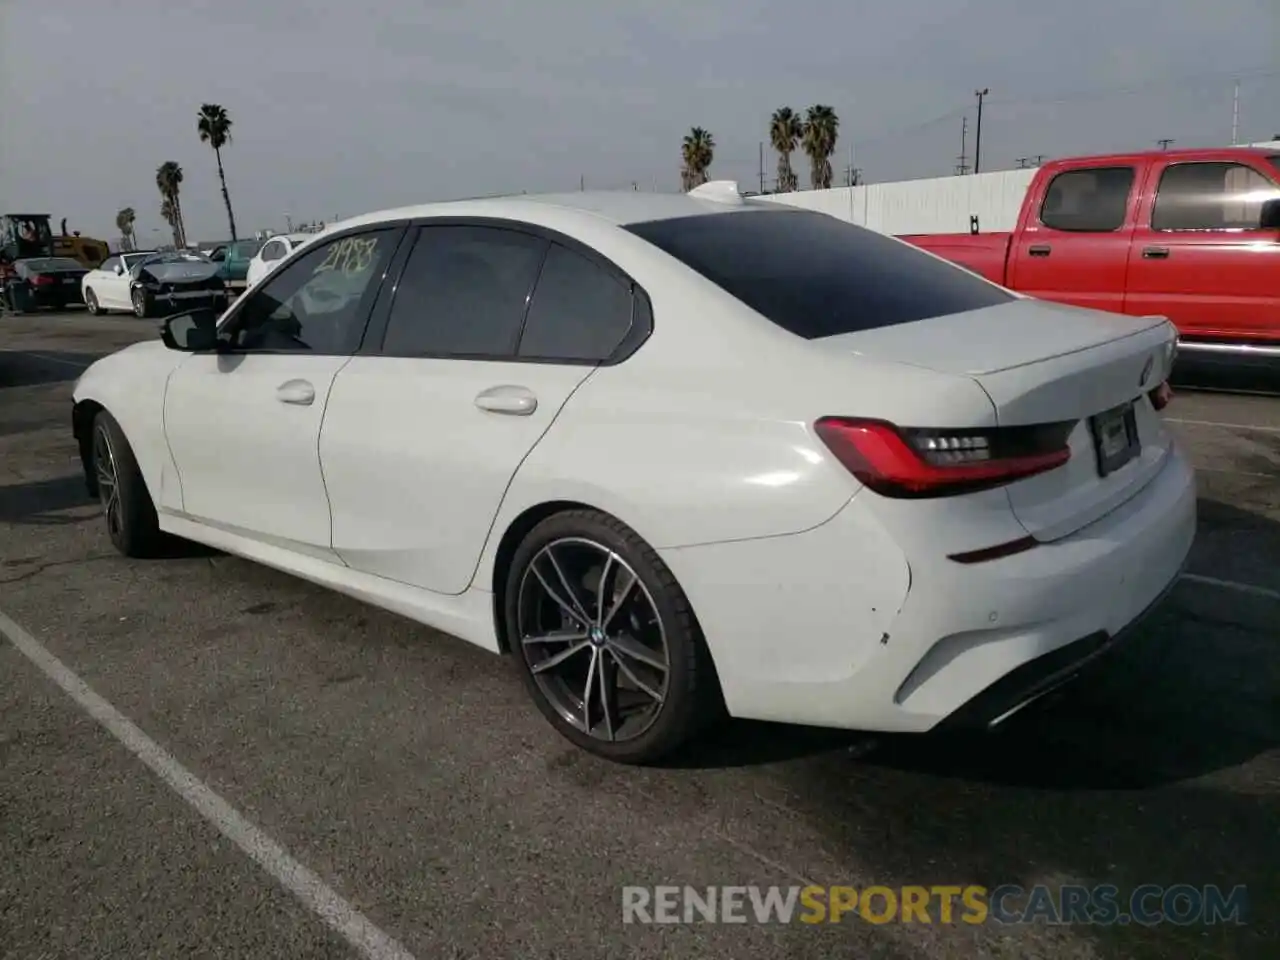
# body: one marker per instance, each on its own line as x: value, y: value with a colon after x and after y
x: 1039, y: 250
x: 511, y: 400
x: 298, y: 392
x: 1155, y: 253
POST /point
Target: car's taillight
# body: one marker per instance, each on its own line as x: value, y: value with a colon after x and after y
x: 43, y: 280
x: 915, y: 462
x: 1161, y: 396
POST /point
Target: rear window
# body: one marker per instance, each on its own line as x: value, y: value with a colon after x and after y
x: 817, y: 276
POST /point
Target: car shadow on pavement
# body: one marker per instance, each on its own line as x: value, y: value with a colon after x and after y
x: 27, y: 368
x: 47, y: 502
x: 44, y: 502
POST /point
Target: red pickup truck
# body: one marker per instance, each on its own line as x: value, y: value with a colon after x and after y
x: 1191, y: 235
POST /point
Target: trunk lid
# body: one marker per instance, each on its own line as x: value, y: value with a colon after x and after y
x: 1043, y: 363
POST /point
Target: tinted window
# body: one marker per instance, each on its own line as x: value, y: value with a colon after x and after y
x: 1092, y: 200
x: 463, y: 293
x: 817, y: 276
x: 110, y: 264
x: 579, y: 311
x: 1211, y: 196
x: 272, y: 251
x: 318, y: 303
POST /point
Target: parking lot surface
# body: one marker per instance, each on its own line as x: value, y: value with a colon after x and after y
x: 408, y: 772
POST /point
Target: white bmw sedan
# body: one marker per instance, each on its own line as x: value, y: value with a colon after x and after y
x: 676, y: 455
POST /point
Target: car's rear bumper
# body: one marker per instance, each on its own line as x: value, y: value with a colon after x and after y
x: 836, y: 627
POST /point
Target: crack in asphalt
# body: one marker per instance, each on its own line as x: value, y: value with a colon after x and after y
x: 49, y: 565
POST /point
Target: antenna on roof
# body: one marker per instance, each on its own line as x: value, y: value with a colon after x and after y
x: 718, y: 191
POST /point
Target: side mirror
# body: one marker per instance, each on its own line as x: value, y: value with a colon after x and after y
x: 191, y: 332
x: 119, y: 269
x: 1270, y: 215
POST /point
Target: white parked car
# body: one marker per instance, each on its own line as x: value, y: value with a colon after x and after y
x: 108, y: 288
x: 677, y: 455
x: 273, y: 252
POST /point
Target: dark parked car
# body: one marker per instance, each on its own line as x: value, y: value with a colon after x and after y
x: 167, y: 283
x: 43, y: 282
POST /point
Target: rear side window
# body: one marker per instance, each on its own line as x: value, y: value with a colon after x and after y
x: 579, y: 310
x: 1211, y: 196
x: 1090, y: 200
x: 463, y: 293
x: 817, y: 276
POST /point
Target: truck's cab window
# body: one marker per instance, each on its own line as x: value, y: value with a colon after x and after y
x: 1211, y: 196
x: 1088, y: 200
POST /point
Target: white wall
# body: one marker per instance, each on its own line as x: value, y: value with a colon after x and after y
x: 937, y: 205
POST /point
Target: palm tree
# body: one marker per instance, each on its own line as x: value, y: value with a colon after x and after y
x: 821, y: 128
x: 124, y: 223
x: 170, y: 216
x: 169, y: 181
x: 214, y: 127
x: 697, y: 151
x: 785, y: 131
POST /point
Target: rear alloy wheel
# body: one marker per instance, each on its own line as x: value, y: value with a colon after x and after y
x: 127, y: 507
x: 91, y: 302
x: 141, y: 303
x: 605, y: 639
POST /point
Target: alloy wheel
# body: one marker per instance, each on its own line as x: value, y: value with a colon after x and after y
x: 108, y: 477
x: 139, y: 303
x: 593, y: 639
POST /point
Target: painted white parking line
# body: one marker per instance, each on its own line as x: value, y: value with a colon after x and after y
x: 1224, y: 426
x: 367, y: 939
x: 1248, y: 588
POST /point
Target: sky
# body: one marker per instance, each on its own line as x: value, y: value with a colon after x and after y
x: 341, y: 108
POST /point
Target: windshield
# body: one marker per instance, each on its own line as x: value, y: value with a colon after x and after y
x: 177, y: 256
x: 55, y: 263
x: 817, y: 276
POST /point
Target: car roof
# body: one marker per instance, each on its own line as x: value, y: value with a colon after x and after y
x: 619, y: 207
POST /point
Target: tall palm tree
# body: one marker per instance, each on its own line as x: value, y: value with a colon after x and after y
x: 170, y: 216
x: 124, y: 223
x: 697, y: 151
x: 169, y: 182
x: 785, y: 131
x: 214, y: 127
x: 821, y: 128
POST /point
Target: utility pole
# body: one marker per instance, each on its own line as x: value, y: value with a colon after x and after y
x: 288, y: 223
x: 1039, y: 159
x: 977, y: 146
x: 1023, y: 162
x: 1164, y: 144
x: 963, y: 166
x: 1235, y: 115
x: 762, y: 166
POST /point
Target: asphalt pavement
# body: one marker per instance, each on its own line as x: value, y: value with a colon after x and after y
x: 406, y: 773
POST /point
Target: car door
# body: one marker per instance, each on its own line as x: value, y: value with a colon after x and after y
x: 96, y: 279
x: 243, y: 423
x: 1200, y: 257
x: 1075, y: 248
x: 422, y: 437
x: 261, y: 262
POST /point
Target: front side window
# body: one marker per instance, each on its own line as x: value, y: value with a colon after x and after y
x: 1211, y: 196
x: 272, y: 251
x: 319, y: 303
x: 110, y: 264
x: 1088, y: 200
x: 463, y: 293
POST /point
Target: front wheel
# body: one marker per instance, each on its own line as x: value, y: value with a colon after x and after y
x: 91, y: 302
x: 141, y: 303
x: 606, y: 640
x: 127, y: 507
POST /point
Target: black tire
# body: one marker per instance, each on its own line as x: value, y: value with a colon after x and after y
x: 131, y: 518
x: 19, y: 299
x: 143, y: 303
x: 91, y: 302
x: 691, y: 692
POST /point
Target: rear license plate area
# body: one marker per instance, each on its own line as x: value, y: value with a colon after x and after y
x: 70, y: 280
x: 1115, y: 438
